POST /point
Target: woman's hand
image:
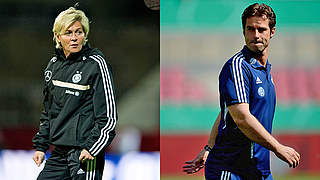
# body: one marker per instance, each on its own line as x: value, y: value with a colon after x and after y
x: 38, y: 157
x: 85, y: 155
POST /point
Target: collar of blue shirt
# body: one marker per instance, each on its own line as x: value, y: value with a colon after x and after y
x: 251, y: 60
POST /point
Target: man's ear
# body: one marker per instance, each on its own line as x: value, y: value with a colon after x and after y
x: 272, y: 32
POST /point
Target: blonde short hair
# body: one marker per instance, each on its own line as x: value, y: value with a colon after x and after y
x: 67, y: 18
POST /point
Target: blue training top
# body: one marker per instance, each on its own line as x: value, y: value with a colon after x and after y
x: 243, y: 80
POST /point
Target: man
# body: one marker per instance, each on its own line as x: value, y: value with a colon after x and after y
x: 240, y: 139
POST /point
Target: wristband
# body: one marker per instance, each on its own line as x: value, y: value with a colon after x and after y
x: 207, y: 148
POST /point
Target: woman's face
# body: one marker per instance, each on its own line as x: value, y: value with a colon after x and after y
x: 72, y: 39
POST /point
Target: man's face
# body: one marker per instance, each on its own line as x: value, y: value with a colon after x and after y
x: 257, y: 33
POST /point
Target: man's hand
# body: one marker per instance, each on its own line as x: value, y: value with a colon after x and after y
x: 197, y: 163
x: 38, y: 157
x: 85, y: 155
x: 288, y: 154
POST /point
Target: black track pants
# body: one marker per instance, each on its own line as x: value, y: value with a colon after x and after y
x: 64, y: 164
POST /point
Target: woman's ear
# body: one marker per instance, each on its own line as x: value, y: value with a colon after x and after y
x: 57, y: 36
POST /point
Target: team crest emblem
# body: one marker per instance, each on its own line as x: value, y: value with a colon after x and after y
x: 77, y: 77
x: 261, y: 91
x: 47, y: 75
x: 253, y: 61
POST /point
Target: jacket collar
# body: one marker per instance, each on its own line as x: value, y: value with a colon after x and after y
x: 251, y: 60
x: 73, y: 56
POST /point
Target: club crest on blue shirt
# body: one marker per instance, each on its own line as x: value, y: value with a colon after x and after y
x: 253, y: 61
x: 76, y: 77
x: 261, y: 91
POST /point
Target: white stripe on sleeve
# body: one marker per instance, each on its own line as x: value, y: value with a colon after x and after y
x: 238, y: 67
x: 238, y: 78
x: 234, y: 76
x: 111, y: 109
x: 242, y: 82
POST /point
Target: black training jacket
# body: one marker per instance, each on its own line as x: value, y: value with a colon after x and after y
x: 79, y: 102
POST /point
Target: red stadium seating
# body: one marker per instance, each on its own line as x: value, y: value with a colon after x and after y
x: 300, y: 85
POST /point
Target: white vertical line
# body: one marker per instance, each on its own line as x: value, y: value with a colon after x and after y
x: 87, y: 171
x: 238, y: 67
x: 222, y: 175
x: 243, y: 87
x: 90, y: 170
x: 228, y: 176
x: 225, y: 116
x: 252, y: 149
x: 94, y: 168
x: 234, y: 76
x: 104, y: 80
x: 110, y: 85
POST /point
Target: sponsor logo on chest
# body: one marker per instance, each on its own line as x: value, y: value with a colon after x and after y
x: 258, y: 81
x: 75, y: 93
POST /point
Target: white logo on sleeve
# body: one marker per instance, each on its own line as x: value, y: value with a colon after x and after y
x: 54, y: 59
x: 47, y: 75
x: 258, y: 81
x: 261, y: 91
x: 77, y: 77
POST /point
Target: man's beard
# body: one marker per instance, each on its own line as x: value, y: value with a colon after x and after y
x: 259, y: 51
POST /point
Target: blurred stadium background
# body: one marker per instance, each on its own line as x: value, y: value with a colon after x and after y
x: 197, y: 37
x: 127, y: 32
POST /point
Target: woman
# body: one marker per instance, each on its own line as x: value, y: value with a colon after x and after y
x: 79, y: 114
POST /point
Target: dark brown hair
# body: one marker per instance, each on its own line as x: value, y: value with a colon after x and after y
x: 259, y: 10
